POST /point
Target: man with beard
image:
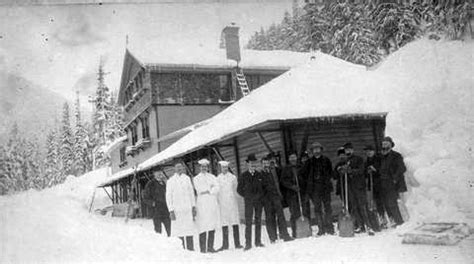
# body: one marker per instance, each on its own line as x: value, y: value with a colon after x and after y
x: 289, y: 176
x: 372, y: 169
x: 316, y: 174
x: 357, y: 187
x: 272, y: 202
x: 392, y: 169
x: 154, y: 195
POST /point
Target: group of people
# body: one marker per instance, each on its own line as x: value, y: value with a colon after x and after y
x: 207, y: 202
x: 203, y: 204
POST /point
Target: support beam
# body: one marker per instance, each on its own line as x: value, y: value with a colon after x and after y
x: 304, y: 142
x: 237, y: 158
x: 219, y: 155
x: 284, y: 140
x: 105, y: 190
x: 265, y: 143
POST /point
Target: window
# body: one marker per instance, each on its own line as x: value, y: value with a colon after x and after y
x: 134, y: 135
x: 167, y: 86
x: 145, y: 127
x: 123, y: 156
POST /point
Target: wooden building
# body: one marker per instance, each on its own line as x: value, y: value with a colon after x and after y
x: 164, y: 93
x: 265, y: 122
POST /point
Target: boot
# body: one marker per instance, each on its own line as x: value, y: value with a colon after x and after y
x: 225, y: 238
x: 202, y: 241
x: 370, y: 232
x: 293, y: 228
x: 236, y: 236
x: 210, y: 242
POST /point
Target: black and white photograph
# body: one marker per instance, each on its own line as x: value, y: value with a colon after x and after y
x: 236, y: 131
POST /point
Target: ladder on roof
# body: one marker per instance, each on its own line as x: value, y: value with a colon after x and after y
x: 244, y: 87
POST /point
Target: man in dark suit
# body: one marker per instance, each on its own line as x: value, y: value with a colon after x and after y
x: 273, y: 203
x: 251, y: 187
x: 317, y: 173
x: 392, y: 169
x: 357, y: 189
x: 154, y: 195
x: 291, y: 180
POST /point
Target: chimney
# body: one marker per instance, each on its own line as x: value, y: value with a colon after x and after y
x: 231, y: 42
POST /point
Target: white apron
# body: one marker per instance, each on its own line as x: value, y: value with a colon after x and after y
x: 227, y: 198
x: 207, y: 217
x: 180, y: 199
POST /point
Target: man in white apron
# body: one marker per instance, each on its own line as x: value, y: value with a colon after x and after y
x: 207, y: 218
x: 182, y: 206
x: 228, y: 205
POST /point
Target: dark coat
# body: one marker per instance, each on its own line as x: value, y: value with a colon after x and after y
x: 154, y: 195
x: 317, y: 171
x: 392, y: 167
x: 288, y: 180
x: 270, y: 186
x: 356, y: 176
x: 339, y: 176
x: 254, y: 187
x: 375, y: 162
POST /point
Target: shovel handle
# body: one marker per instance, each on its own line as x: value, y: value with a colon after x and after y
x: 298, y: 192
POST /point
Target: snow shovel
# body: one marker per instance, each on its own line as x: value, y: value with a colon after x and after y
x: 344, y: 222
x: 303, y: 226
x: 372, y: 212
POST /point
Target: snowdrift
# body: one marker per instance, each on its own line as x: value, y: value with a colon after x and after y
x: 430, y: 90
x: 54, y: 226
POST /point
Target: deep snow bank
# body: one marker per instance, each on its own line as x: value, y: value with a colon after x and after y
x: 54, y: 225
x: 430, y: 88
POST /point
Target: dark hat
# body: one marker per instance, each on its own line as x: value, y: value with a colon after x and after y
x: 271, y: 155
x: 348, y: 145
x: 316, y: 145
x: 389, y: 139
x: 251, y: 157
x: 340, y: 151
x: 369, y: 147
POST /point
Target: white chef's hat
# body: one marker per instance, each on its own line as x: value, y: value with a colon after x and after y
x: 203, y: 162
x: 223, y: 163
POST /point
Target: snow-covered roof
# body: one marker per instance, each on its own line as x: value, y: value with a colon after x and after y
x: 303, y: 92
x: 112, y: 145
x: 310, y: 90
x: 205, y: 57
x: 116, y: 176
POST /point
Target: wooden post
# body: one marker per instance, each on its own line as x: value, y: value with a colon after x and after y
x: 284, y: 142
x: 264, y: 142
x: 237, y: 158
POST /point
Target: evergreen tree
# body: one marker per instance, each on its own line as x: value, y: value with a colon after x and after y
x: 80, y: 137
x: 52, y: 169
x: 66, y: 144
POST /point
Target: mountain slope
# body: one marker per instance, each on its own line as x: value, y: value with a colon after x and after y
x: 32, y: 107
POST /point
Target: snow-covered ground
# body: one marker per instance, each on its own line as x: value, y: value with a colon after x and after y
x: 54, y: 226
x: 429, y: 89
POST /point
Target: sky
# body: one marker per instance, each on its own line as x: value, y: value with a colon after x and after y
x: 59, y: 46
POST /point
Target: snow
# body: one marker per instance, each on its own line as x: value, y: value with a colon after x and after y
x: 54, y: 226
x: 112, y: 145
x: 427, y: 89
x: 157, y: 54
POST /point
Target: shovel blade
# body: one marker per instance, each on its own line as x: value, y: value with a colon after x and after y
x: 303, y: 227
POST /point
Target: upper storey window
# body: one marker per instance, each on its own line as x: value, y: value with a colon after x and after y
x: 192, y: 88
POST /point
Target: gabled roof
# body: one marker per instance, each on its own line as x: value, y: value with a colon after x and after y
x: 323, y: 87
x: 149, y: 55
x: 308, y: 91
